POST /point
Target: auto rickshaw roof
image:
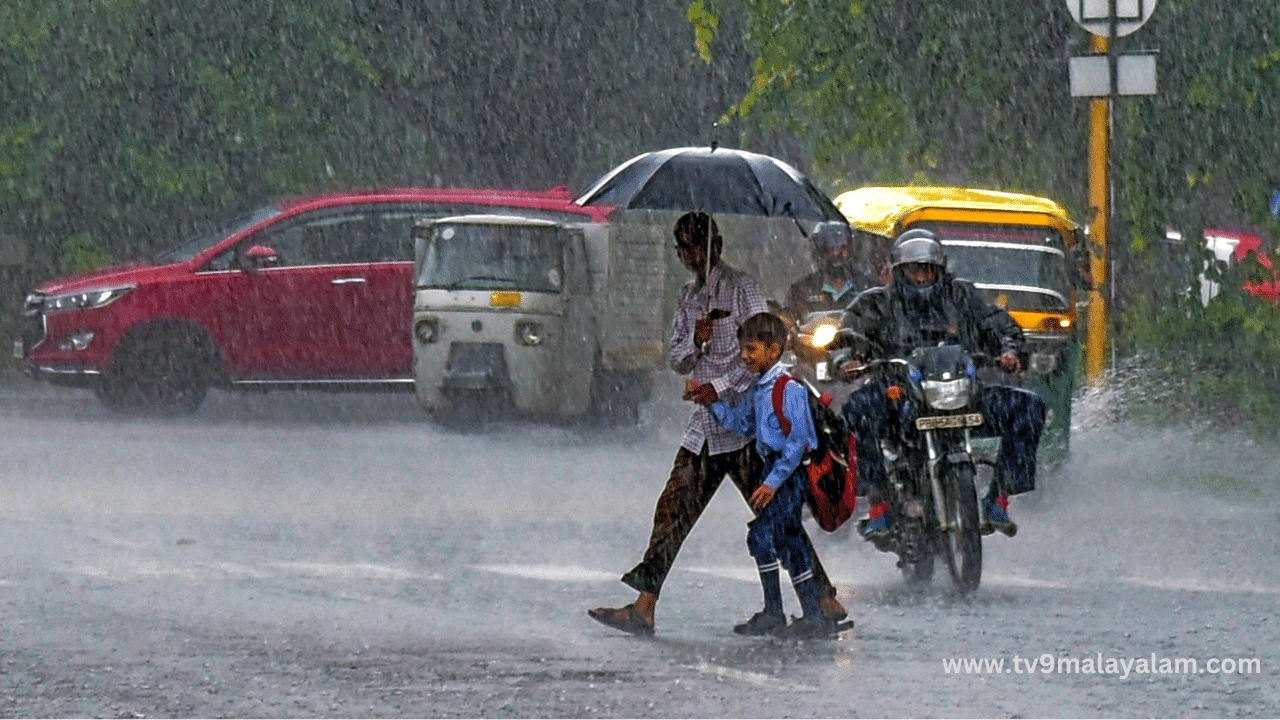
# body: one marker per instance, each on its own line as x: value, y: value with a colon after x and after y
x: 880, y: 209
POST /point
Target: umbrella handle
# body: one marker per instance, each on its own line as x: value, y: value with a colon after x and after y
x: 706, y: 272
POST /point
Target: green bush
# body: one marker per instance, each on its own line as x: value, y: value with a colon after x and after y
x: 1219, y: 363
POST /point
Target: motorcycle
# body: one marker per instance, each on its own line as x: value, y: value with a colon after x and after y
x: 810, y: 338
x: 930, y: 462
x: 809, y: 355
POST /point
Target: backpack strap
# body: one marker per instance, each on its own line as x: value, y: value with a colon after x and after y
x: 779, y: 388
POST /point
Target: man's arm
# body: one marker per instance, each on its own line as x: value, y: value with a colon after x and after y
x: 748, y: 299
x: 682, y: 351
x: 1001, y: 329
x: 798, y: 299
x: 999, y: 334
x: 867, y: 316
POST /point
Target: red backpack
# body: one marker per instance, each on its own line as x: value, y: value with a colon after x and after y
x: 832, y: 467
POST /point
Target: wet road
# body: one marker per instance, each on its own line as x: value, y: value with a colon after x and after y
x: 315, y: 555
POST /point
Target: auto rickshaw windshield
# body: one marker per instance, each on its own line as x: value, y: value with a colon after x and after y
x: 1027, y: 265
x: 493, y: 256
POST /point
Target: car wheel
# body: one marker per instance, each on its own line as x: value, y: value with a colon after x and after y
x: 163, y: 370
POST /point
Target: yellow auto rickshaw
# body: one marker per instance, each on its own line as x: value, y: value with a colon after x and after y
x: 1021, y: 252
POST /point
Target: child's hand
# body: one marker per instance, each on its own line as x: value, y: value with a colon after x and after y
x: 761, y: 497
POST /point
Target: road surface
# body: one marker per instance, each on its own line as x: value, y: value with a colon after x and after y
x: 324, y: 555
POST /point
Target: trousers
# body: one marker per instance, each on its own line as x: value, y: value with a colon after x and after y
x: 694, y: 479
x: 777, y: 533
x: 1014, y: 415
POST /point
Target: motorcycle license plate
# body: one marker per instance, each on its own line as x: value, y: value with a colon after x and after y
x: 941, y: 422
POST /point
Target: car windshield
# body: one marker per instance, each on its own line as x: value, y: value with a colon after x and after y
x: 1024, y: 264
x: 463, y: 256
x: 208, y: 239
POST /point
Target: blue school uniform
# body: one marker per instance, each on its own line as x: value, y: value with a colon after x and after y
x: 776, y: 535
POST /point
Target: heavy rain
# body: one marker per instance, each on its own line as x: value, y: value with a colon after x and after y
x: 224, y: 495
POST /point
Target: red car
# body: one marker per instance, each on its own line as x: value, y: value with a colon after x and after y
x: 311, y: 292
x: 1234, y: 248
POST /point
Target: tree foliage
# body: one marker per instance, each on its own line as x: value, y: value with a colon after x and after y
x: 974, y: 92
x: 125, y: 120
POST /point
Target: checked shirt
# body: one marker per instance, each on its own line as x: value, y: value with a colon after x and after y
x: 721, y: 362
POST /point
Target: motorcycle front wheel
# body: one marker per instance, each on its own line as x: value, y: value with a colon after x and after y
x: 962, y: 543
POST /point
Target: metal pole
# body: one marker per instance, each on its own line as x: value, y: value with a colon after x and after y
x: 1100, y: 204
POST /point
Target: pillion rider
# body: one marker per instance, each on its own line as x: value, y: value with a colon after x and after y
x: 923, y: 305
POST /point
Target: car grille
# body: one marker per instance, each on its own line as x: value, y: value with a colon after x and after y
x: 33, y: 321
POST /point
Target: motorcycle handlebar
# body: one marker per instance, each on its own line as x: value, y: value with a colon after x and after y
x: 853, y: 368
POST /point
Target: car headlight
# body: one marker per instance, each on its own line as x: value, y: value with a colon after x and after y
x: 530, y: 333
x: 947, y: 394
x: 86, y: 299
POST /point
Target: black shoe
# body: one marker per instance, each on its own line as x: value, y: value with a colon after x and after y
x: 815, y: 627
x: 762, y: 623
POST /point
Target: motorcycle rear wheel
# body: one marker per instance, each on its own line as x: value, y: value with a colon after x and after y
x: 962, y: 544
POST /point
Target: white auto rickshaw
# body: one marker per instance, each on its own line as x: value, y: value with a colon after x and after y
x: 513, y: 314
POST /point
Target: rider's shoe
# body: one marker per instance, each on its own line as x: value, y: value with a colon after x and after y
x: 998, y: 515
x: 762, y: 623
x: 878, y: 523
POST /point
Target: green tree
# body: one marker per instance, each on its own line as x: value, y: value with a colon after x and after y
x: 975, y: 93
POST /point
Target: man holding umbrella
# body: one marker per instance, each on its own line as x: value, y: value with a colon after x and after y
x: 703, y: 345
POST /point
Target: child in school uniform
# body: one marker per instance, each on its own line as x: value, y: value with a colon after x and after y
x: 774, y: 536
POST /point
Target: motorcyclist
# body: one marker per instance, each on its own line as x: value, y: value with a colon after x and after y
x: 925, y: 305
x: 843, y: 271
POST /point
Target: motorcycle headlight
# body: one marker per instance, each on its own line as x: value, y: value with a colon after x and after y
x: 86, y: 299
x: 823, y: 335
x: 947, y: 394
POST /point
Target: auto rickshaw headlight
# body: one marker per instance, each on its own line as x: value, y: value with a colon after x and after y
x: 530, y: 333
x: 427, y: 331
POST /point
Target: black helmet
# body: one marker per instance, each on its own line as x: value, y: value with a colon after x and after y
x: 918, y: 246
x: 832, y: 244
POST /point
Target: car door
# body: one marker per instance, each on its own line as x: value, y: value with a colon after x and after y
x: 290, y: 293
x: 378, y: 335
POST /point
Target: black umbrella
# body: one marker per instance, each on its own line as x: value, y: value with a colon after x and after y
x: 712, y: 180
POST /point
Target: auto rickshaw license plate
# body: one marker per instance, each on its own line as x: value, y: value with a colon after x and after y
x: 941, y: 422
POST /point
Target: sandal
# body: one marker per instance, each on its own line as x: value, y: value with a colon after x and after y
x: 833, y: 610
x: 627, y: 619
